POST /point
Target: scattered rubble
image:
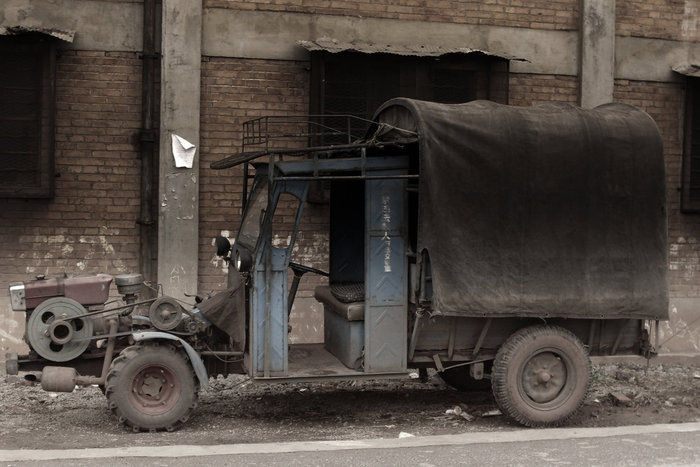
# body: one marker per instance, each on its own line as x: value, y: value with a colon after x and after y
x: 619, y: 398
x: 237, y: 410
x: 459, y: 412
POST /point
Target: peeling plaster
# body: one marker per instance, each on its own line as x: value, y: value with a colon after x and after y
x: 217, y: 261
x: 689, y: 25
x: 306, y: 321
x: 281, y: 241
x: 11, y: 329
x: 119, y: 266
x: 178, y: 277
x: 175, y: 184
x: 53, y: 239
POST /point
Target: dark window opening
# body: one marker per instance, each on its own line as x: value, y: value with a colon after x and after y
x: 27, y: 119
x: 357, y: 84
x: 690, y: 199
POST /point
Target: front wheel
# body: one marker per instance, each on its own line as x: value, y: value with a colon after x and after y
x: 151, y: 387
x: 541, y: 375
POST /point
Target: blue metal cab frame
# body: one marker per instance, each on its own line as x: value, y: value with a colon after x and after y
x: 380, y: 338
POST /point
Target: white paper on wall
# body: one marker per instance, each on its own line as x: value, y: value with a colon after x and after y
x: 183, y: 151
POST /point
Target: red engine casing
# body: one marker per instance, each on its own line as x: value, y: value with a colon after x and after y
x: 86, y: 290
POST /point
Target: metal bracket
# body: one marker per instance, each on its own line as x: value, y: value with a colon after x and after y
x: 476, y: 370
x: 438, y: 363
x: 482, y: 336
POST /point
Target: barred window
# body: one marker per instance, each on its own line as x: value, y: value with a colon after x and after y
x: 27, y: 119
x: 358, y: 83
x: 690, y: 199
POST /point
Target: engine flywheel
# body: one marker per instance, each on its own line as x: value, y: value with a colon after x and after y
x: 54, y: 332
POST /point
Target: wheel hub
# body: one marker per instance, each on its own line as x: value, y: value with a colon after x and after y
x: 154, y: 389
x: 152, y: 386
x: 544, y: 376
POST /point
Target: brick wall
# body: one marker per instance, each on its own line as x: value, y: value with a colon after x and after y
x: 660, y: 19
x: 530, y: 89
x: 538, y: 14
x: 89, y: 226
x: 233, y: 91
x: 664, y: 102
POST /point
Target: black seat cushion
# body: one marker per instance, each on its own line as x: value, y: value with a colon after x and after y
x: 349, y: 292
x: 353, y: 311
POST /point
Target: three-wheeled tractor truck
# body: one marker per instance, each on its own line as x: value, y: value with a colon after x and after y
x: 489, y: 242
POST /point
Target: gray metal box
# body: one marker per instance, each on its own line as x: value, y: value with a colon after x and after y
x: 344, y: 339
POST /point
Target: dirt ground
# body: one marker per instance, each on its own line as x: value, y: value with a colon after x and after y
x: 236, y: 410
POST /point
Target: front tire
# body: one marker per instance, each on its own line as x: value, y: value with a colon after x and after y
x: 151, y: 387
x: 541, y: 375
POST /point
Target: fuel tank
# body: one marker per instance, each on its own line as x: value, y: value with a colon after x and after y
x: 86, y: 290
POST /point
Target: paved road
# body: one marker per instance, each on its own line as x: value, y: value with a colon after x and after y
x: 670, y: 445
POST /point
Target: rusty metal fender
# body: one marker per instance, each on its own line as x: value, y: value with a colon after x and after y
x: 196, y: 360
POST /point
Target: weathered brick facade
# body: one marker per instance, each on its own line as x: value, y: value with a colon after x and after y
x: 658, y: 19
x: 529, y: 89
x: 556, y: 14
x: 664, y: 102
x: 233, y: 91
x: 90, y: 224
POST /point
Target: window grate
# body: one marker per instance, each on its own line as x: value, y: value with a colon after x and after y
x: 26, y: 122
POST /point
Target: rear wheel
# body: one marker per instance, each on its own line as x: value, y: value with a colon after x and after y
x: 151, y: 387
x: 541, y: 375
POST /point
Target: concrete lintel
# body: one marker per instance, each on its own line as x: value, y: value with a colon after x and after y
x: 98, y: 25
x: 274, y: 35
x: 652, y: 59
x: 178, y: 216
x: 597, y: 52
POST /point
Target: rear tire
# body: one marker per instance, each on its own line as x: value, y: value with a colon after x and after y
x: 151, y: 387
x: 541, y: 375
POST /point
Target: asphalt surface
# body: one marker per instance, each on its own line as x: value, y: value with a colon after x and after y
x: 667, y: 445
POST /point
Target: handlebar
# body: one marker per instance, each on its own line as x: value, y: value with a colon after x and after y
x: 300, y: 270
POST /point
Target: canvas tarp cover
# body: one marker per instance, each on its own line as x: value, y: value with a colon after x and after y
x: 547, y: 211
x: 226, y: 310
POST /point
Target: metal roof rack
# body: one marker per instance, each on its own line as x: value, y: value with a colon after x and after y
x: 316, y: 138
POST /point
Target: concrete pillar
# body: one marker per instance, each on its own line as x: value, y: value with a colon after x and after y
x: 178, y: 212
x: 597, y: 52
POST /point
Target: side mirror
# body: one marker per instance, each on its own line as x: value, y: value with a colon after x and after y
x: 242, y: 259
x: 223, y: 246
